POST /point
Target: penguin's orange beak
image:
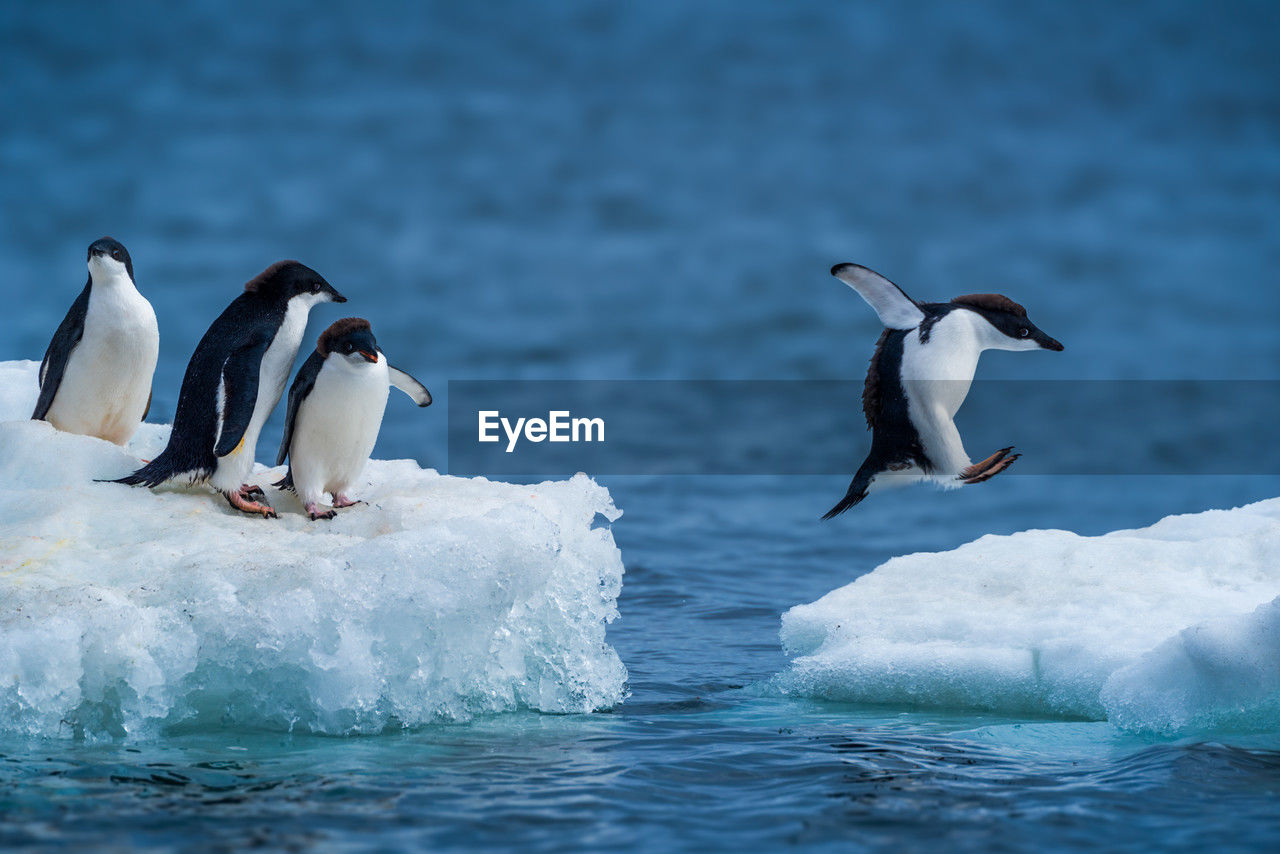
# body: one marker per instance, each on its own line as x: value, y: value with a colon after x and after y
x: 369, y: 357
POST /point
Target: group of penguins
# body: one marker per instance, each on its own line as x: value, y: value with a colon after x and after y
x: 96, y: 379
x: 96, y: 375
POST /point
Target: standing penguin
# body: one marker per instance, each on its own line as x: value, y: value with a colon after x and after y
x: 96, y: 375
x: 920, y: 374
x: 234, y: 380
x: 335, y: 411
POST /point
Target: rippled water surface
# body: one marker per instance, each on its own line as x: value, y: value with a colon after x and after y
x: 581, y: 190
x: 699, y: 772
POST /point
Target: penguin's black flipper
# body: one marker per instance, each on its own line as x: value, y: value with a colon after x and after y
x: 410, y: 386
x: 56, y: 357
x: 857, y: 491
x: 302, y: 385
x: 240, y: 392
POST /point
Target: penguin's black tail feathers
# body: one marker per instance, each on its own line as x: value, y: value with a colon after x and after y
x: 858, y: 489
x: 145, y: 476
x: 161, y: 469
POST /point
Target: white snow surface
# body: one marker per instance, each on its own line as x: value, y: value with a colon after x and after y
x: 128, y: 611
x: 1167, y: 629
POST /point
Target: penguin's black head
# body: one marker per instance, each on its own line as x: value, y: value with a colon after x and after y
x: 1010, y: 327
x: 284, y: 280
x: 110, y: 252
x: 351, y: 337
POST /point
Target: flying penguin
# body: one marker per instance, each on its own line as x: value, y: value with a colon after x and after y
x: 234, y: 380
x: 335, y: 411
x: 920, y: 374
x: 95, y: 378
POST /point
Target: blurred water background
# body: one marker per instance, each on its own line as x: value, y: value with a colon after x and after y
x: 585, y: 190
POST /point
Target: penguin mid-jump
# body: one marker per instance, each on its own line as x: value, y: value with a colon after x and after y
x: 234, y: 380
x: 920, y: 374
x: 95, y: 378
x: 335, y: 411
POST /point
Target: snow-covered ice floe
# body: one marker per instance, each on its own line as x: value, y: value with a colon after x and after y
x: 1168, y: 629
x: 127, y: 611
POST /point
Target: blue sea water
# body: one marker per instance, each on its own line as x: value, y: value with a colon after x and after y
x: 655, y: 191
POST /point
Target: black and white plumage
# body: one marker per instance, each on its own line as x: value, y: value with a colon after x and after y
x: 919, y: 376
x: 336, y: 404
x: 95, y: 378
x: 234, y: 380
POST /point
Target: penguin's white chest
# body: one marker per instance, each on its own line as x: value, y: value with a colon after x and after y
x: 337, y: 426
x: 941, y: 369
x: 107, y: 382
x: 936, y: 375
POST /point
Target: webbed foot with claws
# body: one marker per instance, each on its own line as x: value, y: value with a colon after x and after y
x: 242, y: 500
x: 988, y: 468
x: 314, y: 511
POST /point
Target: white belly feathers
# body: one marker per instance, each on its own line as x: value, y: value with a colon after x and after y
x: 337, y: 425
x: 936, y: 376
x: 107, y: 381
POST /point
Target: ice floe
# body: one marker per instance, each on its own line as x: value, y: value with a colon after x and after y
x: 130, y: 611
x: 1223, y: 674
x: 1157, y: 629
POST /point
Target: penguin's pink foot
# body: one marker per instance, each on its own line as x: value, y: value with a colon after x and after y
x: 248, y: 490
x: 341, y: 500
x: 244, y: 503
x: 314, y: 511
x: 990, y: 467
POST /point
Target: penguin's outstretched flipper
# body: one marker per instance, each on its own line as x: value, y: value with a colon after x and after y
x: 410, y: 386
x: 988, y: 468
x: 895, y: 308
x: 858, y: 488
x: 54, y: 364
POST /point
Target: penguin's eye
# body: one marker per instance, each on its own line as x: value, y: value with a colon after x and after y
x: 315, y: 287
x: 115, y: 253
x: 1024, y: 332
